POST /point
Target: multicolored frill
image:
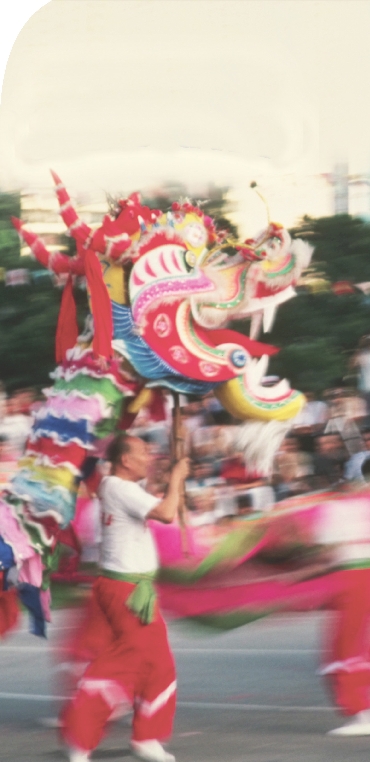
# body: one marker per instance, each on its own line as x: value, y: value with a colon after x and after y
x: 83, y: 407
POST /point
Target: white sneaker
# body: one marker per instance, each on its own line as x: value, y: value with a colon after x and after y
x: 358, y: 725
x: 151, y: 751
x: 74, y: 755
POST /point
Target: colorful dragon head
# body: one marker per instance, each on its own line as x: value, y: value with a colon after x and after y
x: 172, y: 289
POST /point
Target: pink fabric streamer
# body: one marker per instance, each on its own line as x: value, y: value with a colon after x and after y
x: 170, y: 544
x: 31, y: 571
x: 253, y: 585
x: 258, y: 596
x: 13, y: 534
x: 73, y: 407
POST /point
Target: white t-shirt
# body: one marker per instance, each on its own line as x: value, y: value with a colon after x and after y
x: 352, y: 469
x: 346, y: 525
x: 363, y: 361
x: 127, y: 543
x: 16, y: 429
x: 312, y: 414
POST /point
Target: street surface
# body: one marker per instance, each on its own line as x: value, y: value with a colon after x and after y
x: 250, y: 695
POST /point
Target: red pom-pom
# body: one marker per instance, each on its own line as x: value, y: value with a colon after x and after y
x: 176, y: 206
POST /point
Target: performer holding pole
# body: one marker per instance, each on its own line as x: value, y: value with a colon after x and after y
x: 137, y: 665
x: 177, y: 455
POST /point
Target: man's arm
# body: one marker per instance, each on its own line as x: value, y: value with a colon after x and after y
x: 165, y: 511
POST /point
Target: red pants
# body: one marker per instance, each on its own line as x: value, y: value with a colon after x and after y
x: 135, y: 666
x: 9, y: 610
x: 348, y: 664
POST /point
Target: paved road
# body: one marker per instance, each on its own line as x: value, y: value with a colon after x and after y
x: 249, y: 695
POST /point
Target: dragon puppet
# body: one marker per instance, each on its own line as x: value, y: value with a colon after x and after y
x: 162, y: 288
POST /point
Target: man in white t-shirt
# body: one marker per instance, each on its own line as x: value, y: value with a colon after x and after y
x: 343, y: 536
x: 344, y: 527
x: 136, y: 665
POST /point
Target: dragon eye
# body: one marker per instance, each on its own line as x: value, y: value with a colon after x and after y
x: 239, y: 358
x: 190, y: 259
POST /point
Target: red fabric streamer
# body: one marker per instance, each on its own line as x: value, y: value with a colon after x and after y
x: 100, y: 306
x: 67, y: 328
x: 68, y: 537
x: 156, y: 407
x: 70, y: 453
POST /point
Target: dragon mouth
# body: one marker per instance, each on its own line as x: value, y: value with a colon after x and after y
x: 254, y: 377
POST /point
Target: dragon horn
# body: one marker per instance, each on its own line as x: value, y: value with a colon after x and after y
x: 54, y: 261
x: 253, y: 185
x: 35, y: 243
x: 78, y: 229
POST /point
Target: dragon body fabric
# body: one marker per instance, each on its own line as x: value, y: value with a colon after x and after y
x: 162, y: 288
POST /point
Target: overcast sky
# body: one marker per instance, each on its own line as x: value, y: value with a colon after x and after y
x: 121, y: 94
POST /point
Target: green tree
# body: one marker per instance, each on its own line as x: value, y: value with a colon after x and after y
x: 319, y: 332
x: 342, y: 246
x: 28, y: 312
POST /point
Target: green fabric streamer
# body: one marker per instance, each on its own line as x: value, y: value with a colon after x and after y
x: 50, y: 563
x: 89, y: 386
x: 106, y: 389
x: 356, y: 563
x: 230, y: 620
x: 108, y: 425
x: 142, y: 599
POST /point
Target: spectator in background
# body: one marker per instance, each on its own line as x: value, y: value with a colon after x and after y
x: 201, y: 493
x: 25, y: 399
x: 355, y: 407
x: 313, y: 415
x: 361, y: 362
x: 210, y: 443
x: 213, y: 410
x: 235, y: 471
x: 292, y: 469
x: 193, y: 414
x: 340, y: 421
x: 310, y: 421
x: 353, y: 467
x: 15, y: 426
x: 2, y: 400
x: 328, y: 460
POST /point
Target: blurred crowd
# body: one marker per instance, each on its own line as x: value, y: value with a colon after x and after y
x: 16, y: 417
x: 325, y: 447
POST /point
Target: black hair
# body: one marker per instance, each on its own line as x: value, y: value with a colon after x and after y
x: 120, y: 445
x: 365, y: 469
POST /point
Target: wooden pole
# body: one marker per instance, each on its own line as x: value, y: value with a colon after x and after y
x: 177, y: 454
